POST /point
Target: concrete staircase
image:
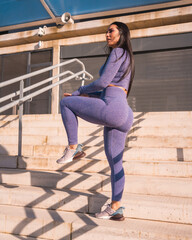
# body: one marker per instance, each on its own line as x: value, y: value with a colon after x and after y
x: 42, y: 200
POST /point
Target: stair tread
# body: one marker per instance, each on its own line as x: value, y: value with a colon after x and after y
x: 60, y: 139
x: 170, y: 114
x: 149, y: 119
x: 155, y: 167
x: 154, y: 185
x: 172, y: 162
x: 98, y: 131
x: 6, y: 236
x: 15, y: 189
x: 173, y: 209
x: 98, y: 151
x: 48, y: 201
x: 171, y: 168
x: 81, y: 223
x: 60, y: 173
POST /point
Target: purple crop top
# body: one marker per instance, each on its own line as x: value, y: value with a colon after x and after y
x: 110, y: 73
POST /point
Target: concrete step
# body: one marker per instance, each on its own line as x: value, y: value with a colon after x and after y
x: 161, y: 132
x: 137, y: 115
x: 50, y: 224
x: 162, y: 122
x: 27, y: 140
x: 33, y: 131
x: 157, y: 208
x: 59, y: 132
x: 51, y: 131
x: 12, y: 149
x: 142, y: 122
x: 136, y: 153
x: 155, y: 168
x: 164, y: 186
x: 98, y: 131
x: 141, y: 119
x: 172, y: 115
x: 97, y: 152
x: 35, y: 222
x: 133, y: 141
x: 178, y: 142
x: 6, y: 236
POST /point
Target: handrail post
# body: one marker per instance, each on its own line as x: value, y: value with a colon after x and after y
x: 20, y: 119
x: 83, y: 80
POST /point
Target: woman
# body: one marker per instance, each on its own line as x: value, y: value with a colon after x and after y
x: 106, y: 104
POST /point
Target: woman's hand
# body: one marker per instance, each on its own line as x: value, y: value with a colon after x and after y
x: 67, y: 94
x: 84, y: 95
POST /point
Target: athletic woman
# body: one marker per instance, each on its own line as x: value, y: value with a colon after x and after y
x: 106, y: 105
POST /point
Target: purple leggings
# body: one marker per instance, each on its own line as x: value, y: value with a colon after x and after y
x: 111, y: 111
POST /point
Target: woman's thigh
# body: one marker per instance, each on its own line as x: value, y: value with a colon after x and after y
x: 89, y: 109
x: 112, y: 113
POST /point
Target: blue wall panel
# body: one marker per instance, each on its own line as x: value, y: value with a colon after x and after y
x: 14, y: 12
x: 77, y: 7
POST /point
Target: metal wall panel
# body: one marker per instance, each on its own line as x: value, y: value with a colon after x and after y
x: 163, y: 81
x: 15, y: 65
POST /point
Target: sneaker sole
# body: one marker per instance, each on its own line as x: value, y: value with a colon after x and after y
x: 66, y: 161
x: 79, y: 155
x: 117, y: 217
x: 104, y: 217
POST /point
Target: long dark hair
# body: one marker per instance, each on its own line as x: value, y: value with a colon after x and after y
x: 125, y: 43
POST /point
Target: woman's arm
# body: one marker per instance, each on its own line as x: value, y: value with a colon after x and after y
x: 111, y: 68
x: 93, y: 94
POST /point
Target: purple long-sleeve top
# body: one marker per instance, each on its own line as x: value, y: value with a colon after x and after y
x: 110, y: 73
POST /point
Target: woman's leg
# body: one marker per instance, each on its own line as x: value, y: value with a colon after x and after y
x: 70, y: 122
x: 89, y: 109
x: 114, y: 142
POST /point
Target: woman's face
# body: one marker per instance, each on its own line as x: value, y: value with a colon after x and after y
x: 112, y: 36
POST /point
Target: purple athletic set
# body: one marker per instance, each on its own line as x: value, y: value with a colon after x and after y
x: 106, y: 106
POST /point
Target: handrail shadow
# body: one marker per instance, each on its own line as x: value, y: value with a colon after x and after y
x: 7, y: 122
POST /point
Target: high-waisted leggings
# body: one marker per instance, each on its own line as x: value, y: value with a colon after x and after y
x: 110, y: 110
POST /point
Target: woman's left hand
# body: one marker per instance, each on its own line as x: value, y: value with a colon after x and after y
x: 67, y: 94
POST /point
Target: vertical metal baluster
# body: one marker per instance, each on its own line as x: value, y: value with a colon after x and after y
x: 20, y: 119
x: 83, y: 80
x: 83, y: 68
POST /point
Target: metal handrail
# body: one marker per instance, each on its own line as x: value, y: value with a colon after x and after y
x: 15, y: 94
x: 29, y: 75
x: 22, y: 90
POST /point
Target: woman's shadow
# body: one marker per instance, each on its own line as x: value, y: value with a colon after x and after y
x: 6, y: 161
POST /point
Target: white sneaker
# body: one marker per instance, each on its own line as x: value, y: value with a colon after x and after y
x: 111, y: 214
x: 70, y: 154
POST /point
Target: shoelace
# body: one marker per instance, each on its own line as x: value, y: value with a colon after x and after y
x: 65, y: 150
x: 109, y: 210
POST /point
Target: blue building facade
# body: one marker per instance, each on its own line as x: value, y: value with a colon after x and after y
x: 13, y: 12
